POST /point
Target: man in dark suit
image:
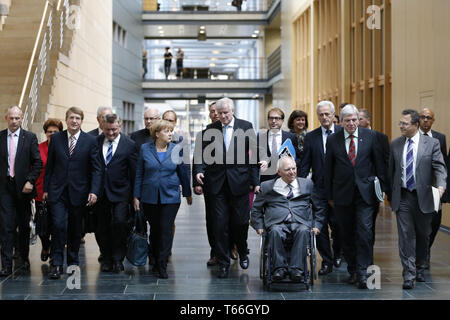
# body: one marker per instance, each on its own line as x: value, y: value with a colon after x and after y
x: 416, y: 165
x: 426, y: 120
x: 314, y: 158
x: 383, y: 141
x: 230, y: 177
x: 171, y: 116
x: 283, y: 209
x: 117, y: 156
x: 102, y: 111
x: 143, y: 136
x: 352, y: 162
x: 272, y: 140
x: 72, y: 180
x: 20, y: 166
x: 203, y: 189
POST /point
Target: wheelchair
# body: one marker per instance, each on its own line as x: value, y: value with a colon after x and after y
x: 265, y: 267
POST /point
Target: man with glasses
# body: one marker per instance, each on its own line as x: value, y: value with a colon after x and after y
x: 171, y: 116
x: 426, y: 120
x: 415, y: 164
x: 269, y: 143
x: 143, y: 136
x: 352, y: 162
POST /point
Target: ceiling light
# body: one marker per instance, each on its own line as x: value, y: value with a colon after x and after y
x: 213, y: 59
x: 202, y: 27
x: 254, y: 35
x: 212, y: 65
x: 216, y: 52
x: 160, y: 27
x: 256, y: 31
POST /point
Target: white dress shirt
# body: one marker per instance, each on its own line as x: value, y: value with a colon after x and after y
x: 278, y: 137
x: 77, y: 135
x: 228, y: 133
x: 415, y: 147
x: 355, y: 140
x: 325, y: 136
x: 106, y: 146
x: 282, y: 188
x: 428, y: 133
x: 16, y: 142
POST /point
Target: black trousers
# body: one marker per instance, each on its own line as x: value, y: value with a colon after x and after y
x: 15, y: 212
x: 230, y: 223
x: 278, y: 234
x: 414, y: 229
x: 323, y: 242
x: 355, y: 223
x: 209, y: 223
x: 167, y: 68
x: 435, y: 225
x: 66, y: 229
x: 112, y: 229
x: 45, y: 239
x: 179, y: 67
x: 161, y: 218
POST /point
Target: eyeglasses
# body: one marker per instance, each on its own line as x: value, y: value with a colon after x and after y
x: 426, y: 118
x: 403, y: 124
x: 275, y: 118
x: 173, y: 121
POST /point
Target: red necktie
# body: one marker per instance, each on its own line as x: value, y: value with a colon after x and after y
x: 351, y: 151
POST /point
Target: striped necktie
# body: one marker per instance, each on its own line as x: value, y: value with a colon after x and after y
x: 410, y: 182
x: 72, y: 144
x: 109, y: 153
x: 289, y: 197
x: 351, y: 151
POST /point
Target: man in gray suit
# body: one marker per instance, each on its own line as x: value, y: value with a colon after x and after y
x: 284, y: 209
x: 415, y: 164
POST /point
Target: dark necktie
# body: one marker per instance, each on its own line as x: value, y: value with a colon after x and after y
x: 72, y: 145
x: 328, y: 132
x: 289, y: 197
x: 410, y: 182
x: 109, y: 152
x: 351, y: 151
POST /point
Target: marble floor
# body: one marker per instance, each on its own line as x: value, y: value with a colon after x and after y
x: 191, y: 279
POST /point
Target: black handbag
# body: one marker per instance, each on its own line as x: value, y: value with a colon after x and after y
x: 137, y: 251
x: 90, y: 220
x: 41, y: 219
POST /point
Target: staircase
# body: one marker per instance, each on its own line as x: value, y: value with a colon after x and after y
x: 30, y: 48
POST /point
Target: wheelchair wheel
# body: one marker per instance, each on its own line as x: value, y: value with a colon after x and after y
x: 312, y: 257
x: 262, y: 257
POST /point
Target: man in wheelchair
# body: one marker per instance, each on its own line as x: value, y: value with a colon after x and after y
x: 284, y: 209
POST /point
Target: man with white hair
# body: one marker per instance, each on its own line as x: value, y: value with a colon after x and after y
x: 102, y: 111
x: 151, y: 115
x: 314, y: 158
x: 352, y: 162
x: 229, y: 181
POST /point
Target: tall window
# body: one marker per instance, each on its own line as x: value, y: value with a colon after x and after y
x: 128, y: 117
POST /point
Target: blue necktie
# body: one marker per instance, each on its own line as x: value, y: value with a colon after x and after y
x: 328, y: 132
x: 410, y: 183
x: 109, y: 152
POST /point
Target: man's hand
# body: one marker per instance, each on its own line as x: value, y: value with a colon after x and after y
x: 198, y: 190
x: 189, y: 200
x: 331, y: 203
x: 27, y: 188
x: 92, y: 199
x: 45, y: 196
x: 260, y: 231
x: 263, y: 165
x: 257, y: 189
x: 136, y: 204
x: 199, y: 177
x: 316, y: 231
x: 441, y: 191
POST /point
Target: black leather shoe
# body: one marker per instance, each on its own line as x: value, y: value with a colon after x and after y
x: 5, y: 272
x: 163, y: 272
x: 55, y: 273
x: 362, y: 283
x: 296, y: 275
x: 100, y: 258
x: 223, y: 273
x: 352, y: 279
x: 211, y: 262
x: 44, y: 255
x: 408, y: 284
x: 420, y: 277
x: 325, y: 269
x: 279, y: 274
x: 118, y: 267
x: 106, y: 267
x: 243, y: 262
x: 337, y: 262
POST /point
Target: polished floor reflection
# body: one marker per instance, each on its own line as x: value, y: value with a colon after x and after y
x: 191, y: 279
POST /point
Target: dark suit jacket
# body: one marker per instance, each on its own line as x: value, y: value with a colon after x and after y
x: 240, y: 176
x: 442, y: 142
x: 28, y: 163
x: 341, y: 177
x: 271, y: 208
x: 430, y: 171
x: 94, y: 132
x: 264, y: 139
x: 81, y: 172
x: 140, y: 137
x: 161, y: 180
x: 383, y: 142
x: 314, y: 157
x: 118, y: 176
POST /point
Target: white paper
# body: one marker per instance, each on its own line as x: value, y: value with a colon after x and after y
x: 436, y: 198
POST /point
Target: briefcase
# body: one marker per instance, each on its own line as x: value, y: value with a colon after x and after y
x: 90, y: 220
x: 41, y: 219
x: 137, y: 251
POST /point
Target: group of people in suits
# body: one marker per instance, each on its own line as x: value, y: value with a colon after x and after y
x: 327, y: 182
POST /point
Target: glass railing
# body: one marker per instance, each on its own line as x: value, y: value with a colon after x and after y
x: 215, y: 5
x: 214, y: 69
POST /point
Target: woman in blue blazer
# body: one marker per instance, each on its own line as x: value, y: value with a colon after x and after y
x: 157, y: 186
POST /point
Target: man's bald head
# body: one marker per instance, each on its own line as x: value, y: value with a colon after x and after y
x: 150, y: 116
x: 426, y: 119
x: 14, y: 118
